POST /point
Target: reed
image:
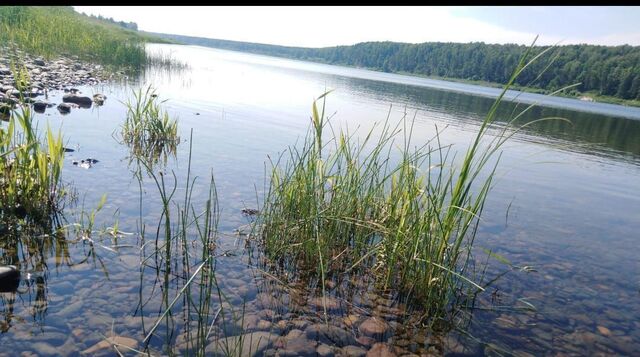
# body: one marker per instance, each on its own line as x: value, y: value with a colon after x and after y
x: 30, y: 169
x: 54, y: 31
x: 342, y: 205
x: 149, y: 130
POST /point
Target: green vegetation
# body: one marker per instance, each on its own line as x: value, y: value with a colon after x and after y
x: 56, y: 31
x: 600, y: 70
x: 30, y: 169
x: 185, y: 244
x: 148, y: 129
x: 345, y: 205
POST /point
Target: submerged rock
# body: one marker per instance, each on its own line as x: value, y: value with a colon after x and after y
x: 107, y: 343
x: 381, y: 350
x: 252, y: 344
x: 9, y: 278
x: 331, y: 335
x: 373, y: 327
x: 64, y: 108
x: 99, y: 98
x: 320, y: 302
x: 82, y: 101
x: 250, y: 211
x: 40, y: 106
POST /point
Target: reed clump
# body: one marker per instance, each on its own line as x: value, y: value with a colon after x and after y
x: 344, y: 205
x: 148, y: 129
x: 30, y: 169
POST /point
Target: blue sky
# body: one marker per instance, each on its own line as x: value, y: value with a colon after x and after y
x: 330, y: 26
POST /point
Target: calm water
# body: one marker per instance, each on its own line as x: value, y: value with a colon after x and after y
x: 567, y: 203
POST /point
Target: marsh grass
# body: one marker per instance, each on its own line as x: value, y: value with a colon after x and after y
x: 149, y: 130
x: 182, y: 262
x: 343, y: 205
x: 53, y: 31
x: 30, y: 169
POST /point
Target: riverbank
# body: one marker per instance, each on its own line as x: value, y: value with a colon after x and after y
x: 27, y: 80
x: 572, y: 94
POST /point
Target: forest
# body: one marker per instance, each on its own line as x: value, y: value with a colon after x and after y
x: 600, y: 70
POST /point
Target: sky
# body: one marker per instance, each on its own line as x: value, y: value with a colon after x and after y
x: 332, y: 26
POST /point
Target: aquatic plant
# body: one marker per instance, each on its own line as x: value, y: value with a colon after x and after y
x: 30, y: 169
x: 343, y: 205
x: 148, y: 129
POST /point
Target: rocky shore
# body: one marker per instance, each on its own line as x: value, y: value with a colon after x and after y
x: 44, y: 76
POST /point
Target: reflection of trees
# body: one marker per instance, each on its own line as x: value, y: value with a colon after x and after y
x: 593, y: 132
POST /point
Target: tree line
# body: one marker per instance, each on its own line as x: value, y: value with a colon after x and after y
x: 602, y: 70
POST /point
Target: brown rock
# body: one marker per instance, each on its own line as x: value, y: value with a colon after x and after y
x: 373, y: 327
x: 320, y: 302
x: 381, y: 350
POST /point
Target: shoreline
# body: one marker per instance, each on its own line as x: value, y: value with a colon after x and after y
x: 63, y: 73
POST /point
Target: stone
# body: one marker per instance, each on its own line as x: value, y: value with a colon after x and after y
x: 82, y: 101
x: 39, y: 62
x: 253, y: 344
x: 264, y: 325
x: 324, y: 350
x: 332, y: 304
x: 64, y: 108
x: 605, y: 331
x: 40, y: 106
x: 107, y: 343
x: 299, y: 346
x: 350, y: 320
x: 381, y: 350
x: 331, y: 335
x: 353, y: 351
x: 44, y: 349
x: 9, y: 278
x: 99, y: 99
x: 373, y: 327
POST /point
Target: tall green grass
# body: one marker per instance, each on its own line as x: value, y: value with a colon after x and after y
x: 342, y: 205
x: 54, y: 31
x: 149, y: 130
x: 30, y: 169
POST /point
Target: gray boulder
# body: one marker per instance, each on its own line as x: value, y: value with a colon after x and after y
x: 40, y: 106
x: 64, y: 108
x: 82, y: 101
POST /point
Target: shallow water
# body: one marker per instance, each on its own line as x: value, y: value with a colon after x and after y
x: 566, y: 204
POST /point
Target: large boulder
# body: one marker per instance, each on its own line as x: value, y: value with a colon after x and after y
x: 82, y: 101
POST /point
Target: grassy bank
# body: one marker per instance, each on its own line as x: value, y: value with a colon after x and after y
x: 53, y: 31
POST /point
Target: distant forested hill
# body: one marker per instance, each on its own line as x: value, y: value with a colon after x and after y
x: 601, y: 70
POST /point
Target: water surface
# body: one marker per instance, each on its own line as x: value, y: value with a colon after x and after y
x: 566, y: 205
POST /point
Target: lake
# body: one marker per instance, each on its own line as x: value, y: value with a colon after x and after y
x: 564, y: 211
